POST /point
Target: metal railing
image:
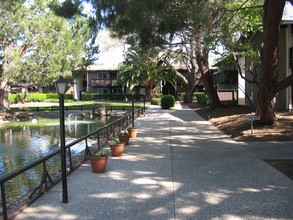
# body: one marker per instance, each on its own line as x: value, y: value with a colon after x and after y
x: 48, y: 180
x: 69, y: 108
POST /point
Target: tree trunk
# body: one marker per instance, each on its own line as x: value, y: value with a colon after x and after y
x: 210, y: 90
x: 191, y: 78
x: 188, y: 97
x: 4, y: 104
x: 273, y: 11
x: 207, y: 79
x: 149, y: 93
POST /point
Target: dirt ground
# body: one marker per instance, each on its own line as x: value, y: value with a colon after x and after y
x: 231, y: 120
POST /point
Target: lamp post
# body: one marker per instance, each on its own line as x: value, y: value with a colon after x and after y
x: 132, y: 107
x: 61, y: 86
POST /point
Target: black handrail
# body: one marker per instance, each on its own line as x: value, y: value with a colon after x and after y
x: 68, y: 108
x: 111, y: 129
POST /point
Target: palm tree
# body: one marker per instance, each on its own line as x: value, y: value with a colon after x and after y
x: 143, y: 69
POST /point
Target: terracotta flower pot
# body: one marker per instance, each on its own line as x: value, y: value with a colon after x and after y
x: 132, y: 132
x: 98, y: 164
x: 117, y: 149
x: 124, y: 138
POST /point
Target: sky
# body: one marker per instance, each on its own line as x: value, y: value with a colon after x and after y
x: 288, y: 12
x: 111, y: 50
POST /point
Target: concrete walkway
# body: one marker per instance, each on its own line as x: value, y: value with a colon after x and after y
x: 180, y: 167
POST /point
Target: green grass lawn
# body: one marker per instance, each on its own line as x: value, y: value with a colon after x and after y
x: 73, y: 105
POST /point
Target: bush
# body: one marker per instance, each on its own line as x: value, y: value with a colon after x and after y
x: 167, y: 101
x: 53, y: 96
x: 201, y: 97
x: 157, y: 95
x: 15, y: 98
x: 156, y: 101
x: 110, y: 96
x: 36, y: 97
x: 180, y: 96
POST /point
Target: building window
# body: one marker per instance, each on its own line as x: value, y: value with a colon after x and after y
x: 114, y: 75
x: 117, y: 90
x: 102, y: 75
x: 102, y: 90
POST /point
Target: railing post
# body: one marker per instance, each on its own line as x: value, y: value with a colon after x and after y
x: 70, y: 159
x: 144, y: 99
x: 98, y: 140
x: 4, y: 208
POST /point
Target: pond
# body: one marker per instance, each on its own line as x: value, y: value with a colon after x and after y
x: 23, y: 142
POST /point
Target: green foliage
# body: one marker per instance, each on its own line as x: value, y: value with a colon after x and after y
x: 38, y: 97
x: 201, y: 97
x: 143, y: 68
x: 180, y: 96
x: 52, y: 96
x: 55, y: 96
x: 156, y: 101
x: 114, y: 141
x: 37, y: 46
x: 15, y: 98
x: 237, y: 38
x: 167, y: 101
x: 100, y: 154
x: 110, y: 96
x: 157, y: 95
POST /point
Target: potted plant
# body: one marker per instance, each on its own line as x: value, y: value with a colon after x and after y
x: 132, y: 132
x: 123, y: 136
x: 117, y: 147
x: 99, y: 162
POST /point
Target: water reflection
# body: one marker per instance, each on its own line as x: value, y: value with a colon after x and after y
x: 24, y: 142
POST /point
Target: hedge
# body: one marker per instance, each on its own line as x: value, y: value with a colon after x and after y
x: 156, y: 101
x: 108, y: 96
x: 201, y: 97
x: 36, y: 97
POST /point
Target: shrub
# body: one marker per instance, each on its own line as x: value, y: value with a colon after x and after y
x: 180, y: 96
x: 110, y: 96
x: 55, y: 96
x: 201, y: 97
x: 157, y: 95
x: 15, y: 98
x: 36, y: 97
x: 156, y: 101
x: 167, y: 101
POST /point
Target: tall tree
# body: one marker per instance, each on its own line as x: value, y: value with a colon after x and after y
x: 38, y: 46
x: 257, y: 17
x: 270, y: 83
x: 166, y: 24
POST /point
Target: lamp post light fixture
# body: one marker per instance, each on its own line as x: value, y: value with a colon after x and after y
x: 62, y: 86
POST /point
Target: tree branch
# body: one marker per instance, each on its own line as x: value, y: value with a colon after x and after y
x: 177, y: 73
x: 284, y: 83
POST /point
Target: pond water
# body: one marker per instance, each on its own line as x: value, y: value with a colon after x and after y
x: 24, y: 142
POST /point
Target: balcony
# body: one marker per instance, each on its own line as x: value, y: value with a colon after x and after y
x: 103, y: 82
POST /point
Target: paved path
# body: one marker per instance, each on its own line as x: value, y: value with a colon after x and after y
x: 180, y: 167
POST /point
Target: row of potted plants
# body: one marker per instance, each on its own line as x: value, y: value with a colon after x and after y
x: 99, y: 160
